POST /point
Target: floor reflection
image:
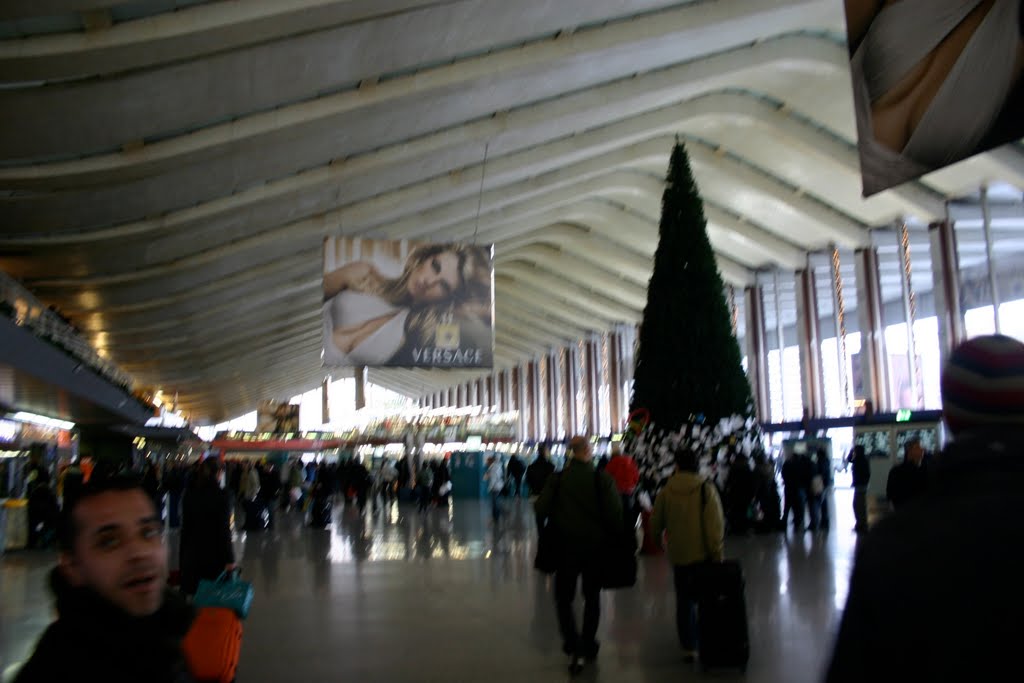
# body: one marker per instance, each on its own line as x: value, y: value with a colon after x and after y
x: 394, y: 594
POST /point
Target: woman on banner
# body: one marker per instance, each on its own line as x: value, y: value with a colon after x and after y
x: 371, y: 319
x: 935, y: 81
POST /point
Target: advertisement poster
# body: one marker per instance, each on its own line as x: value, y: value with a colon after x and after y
x: 934, y: 82
x: 276, y: 418
x: 407, y: 304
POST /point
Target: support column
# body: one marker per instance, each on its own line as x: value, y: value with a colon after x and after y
x: 757, y: 351
x: 569, y: 390
x: 614, y: 381
x: 986, y: 218
x: 593, y: 393
x: 452, y: 402
x: 360, y: 375
x: 874, y: 364
x: 555, y: 403
x: 489, y: 390
x: 533, y: 400
x: 809, y: 338
x: 522, y: 379
x: 506, y: 389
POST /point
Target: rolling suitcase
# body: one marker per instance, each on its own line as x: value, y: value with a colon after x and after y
x: 722, y: 636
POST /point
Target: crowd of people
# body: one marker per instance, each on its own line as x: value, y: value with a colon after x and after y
x: 950, y: 537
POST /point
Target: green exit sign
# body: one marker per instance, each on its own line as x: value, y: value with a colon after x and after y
x: 903, y: 415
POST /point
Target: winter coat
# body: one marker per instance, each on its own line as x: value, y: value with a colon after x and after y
x: 92, y: 640
x: 934, y: 593
x: 570, y: 502
x: 206, y: 546
x: 906, y: 481
x: 537, y: 474
x: 624, y: 471
x: 677, y: 513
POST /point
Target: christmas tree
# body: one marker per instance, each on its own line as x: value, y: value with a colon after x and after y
x: 689, y: 382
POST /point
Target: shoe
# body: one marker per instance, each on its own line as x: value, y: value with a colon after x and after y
x: 589, y: 652
x: 576, y: 665
x: 689, y: 656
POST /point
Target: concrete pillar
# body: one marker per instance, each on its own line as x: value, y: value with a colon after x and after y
x: 614, y: 381
x: 809, y: 338
x: 593, y: 370
x: 757, y: 350
x: 874, y: 364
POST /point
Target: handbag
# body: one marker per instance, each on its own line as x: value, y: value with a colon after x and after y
x: 547, y: 557
x: 227, y: 590
x: 618, y: 565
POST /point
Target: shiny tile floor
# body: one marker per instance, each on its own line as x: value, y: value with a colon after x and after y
x: 399, y: 596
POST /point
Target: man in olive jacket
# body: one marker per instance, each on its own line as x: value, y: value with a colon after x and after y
x: 584, y: 523
x: 678, y: 512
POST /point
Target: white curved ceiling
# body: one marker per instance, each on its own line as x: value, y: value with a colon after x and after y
x: 168, y: 169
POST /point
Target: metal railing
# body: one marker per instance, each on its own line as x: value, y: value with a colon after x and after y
x: 29, y: 312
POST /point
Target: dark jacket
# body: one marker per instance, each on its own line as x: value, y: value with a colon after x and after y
x: 205, y: 534
x: 537, y: 475
x: 934, y: 594
x: 516, y: 467
x: 92, y: 640
x: 906, y: 482
x: 861, y: 471
x: 570, y: 501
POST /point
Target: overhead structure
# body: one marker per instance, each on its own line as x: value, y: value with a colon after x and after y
x: 168, y: 170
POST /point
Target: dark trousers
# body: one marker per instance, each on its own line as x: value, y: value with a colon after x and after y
x: 795, y: 502
x: 495, y: 505
x: 860, y: 507
x: 686, y: 605
x: 566, y: 578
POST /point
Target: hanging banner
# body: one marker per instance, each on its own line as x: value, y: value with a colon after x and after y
x: 407, y: 304
x: 934, y: 82
x: 276, y: 418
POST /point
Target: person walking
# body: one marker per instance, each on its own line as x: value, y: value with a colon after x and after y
x: 495, y: 478
x: 539, y: 470
x: 909, y: 479
x: 688, y: 513
x: 205, y: 549
x: 861, y: 477
x: 583, y: 505
x: 623, y: 470
x: 424, y: 482
x: 516, y: 470
x: 821, y: 486
x: 935, y: 587
x: 792, y: 493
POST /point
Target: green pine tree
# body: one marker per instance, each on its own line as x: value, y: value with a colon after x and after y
x: 688, y: 361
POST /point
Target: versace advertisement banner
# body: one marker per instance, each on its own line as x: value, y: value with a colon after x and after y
x: 934, y: 82
x: 407, y: 304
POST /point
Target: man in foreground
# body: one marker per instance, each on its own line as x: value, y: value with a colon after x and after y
x: 585, y: 507
x: 116, y: 620
x: 935, y: 592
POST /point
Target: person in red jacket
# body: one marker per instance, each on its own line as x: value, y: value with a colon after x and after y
x: 622, y: 468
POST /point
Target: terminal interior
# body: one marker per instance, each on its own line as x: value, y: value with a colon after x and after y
x: 170, y: 170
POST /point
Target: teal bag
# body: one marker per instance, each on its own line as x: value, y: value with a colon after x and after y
x: 227, y: 590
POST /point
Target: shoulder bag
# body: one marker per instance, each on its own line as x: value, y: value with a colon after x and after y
x: 618, y: 557
x: 547, y: 557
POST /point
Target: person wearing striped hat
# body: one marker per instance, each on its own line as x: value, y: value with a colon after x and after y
x: 936, y: 584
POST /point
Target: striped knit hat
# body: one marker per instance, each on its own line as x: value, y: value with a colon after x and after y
x: 983, y: 384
